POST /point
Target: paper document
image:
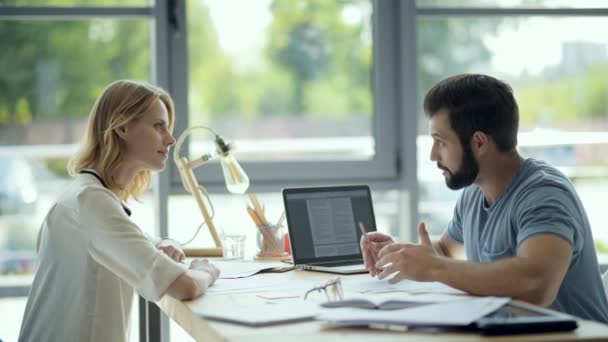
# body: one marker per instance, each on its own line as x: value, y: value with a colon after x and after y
x: 392, y: 300
x: 459, y: 313
x: 373, y: 285
x: 264, y: 314
x: 231, y: 269
x: 270, y: 282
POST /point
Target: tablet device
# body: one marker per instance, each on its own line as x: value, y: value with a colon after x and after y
x: 521, y: 318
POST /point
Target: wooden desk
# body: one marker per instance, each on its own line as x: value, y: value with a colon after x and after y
x: 204, y: 330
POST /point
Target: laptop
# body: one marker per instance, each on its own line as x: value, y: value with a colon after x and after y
x: 324, y: 229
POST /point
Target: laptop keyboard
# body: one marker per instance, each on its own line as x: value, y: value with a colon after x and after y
x: 341, y: 263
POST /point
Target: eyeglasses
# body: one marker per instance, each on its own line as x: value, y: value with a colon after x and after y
x: 332, y: 290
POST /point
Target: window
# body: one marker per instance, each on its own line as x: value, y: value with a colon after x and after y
x: 76, y: 3
x: 518, y: 4
x: 55, y: 63
x: 291, y: 82
x: 559, y: 77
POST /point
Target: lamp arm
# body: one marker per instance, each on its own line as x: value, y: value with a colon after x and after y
x: 182, y: 137
x: 195, y: 188
x: 204, y: 191
x: 185, y: 168
x: 183, y: 164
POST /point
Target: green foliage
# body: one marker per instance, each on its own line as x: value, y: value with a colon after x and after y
x: 311, y: 41
x: 23, y: 115
x: 315, y: 64
x: 601, y: 247
x: 566, y: 99
x: 4, y: 115
x: 56, y: 69
x: 58, y: 166
x: 446, y: 47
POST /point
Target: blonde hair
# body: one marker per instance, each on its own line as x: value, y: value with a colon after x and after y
x: 121, y: 102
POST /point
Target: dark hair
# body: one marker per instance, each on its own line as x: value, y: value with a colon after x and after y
x: 476, y: 102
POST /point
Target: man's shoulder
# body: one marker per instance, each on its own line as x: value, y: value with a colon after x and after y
x: 539, y: 171
x: 538, y: 175
x: 470, y: 193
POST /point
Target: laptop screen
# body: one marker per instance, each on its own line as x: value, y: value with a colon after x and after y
x: 324, y: 222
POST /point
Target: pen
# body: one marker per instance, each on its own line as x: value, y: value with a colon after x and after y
x: 371, y: 255
x: 362, y: 228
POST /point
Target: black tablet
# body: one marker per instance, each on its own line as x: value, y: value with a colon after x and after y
x: 520, y: 318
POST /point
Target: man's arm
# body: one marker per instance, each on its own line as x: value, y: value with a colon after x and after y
x: 448, y: 247
x: 533, y: 275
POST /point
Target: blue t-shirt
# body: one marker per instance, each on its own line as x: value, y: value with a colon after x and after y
x: 539, y: 200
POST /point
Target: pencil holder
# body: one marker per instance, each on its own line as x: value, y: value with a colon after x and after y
x: 270, y: 242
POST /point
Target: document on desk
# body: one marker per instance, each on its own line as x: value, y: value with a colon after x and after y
x: 446, y: 314
x: 373, y: 285
x: 232, y: 269
x: 264, y: 314
x: 270, y: 282
x: 392, y: 300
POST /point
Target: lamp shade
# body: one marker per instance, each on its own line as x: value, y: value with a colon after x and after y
x: 236, y: 179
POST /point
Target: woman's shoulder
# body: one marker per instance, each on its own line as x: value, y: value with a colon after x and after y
x: 86, y: 188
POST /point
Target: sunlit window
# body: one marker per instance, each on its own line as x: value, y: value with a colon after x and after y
x: 51, y: 72
x: 284, y: 79
x: 513, y: 3
x: 560, y: 80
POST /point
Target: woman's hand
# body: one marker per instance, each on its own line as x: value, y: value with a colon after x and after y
x: 205, y: 266
x: 172, y: 249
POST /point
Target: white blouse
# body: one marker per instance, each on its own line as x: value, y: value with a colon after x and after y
x: 91, y: 257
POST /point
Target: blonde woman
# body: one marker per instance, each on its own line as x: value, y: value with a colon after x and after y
x: 92, y: 257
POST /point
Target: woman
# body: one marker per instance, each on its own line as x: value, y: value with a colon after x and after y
x: 92, y: 257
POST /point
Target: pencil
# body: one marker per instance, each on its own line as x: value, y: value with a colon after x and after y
x: 254, y: 216
x: 280, y: 221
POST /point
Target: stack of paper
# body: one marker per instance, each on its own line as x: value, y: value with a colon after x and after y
x: 456, y: 313
x: 264, y: 314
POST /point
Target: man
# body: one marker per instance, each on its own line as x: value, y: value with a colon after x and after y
x: 520, y: 221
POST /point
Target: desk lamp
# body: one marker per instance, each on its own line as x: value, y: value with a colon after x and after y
x: 236, y: 181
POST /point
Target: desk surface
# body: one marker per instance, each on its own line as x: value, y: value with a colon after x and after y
x: 204, y: 330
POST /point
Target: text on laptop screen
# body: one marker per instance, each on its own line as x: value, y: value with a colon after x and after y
x: 325, y: 224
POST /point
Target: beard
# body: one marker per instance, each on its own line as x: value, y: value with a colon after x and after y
x: 466, y: 174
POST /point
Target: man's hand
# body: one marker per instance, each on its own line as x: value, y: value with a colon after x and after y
x: 408, y: 260
x: 371, y: 243
x: 204, y: 266
x: 172, y: 249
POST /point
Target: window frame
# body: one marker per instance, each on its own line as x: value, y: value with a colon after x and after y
x: 484, y: 12
x: 163, y: 16
x: 395, y: 118
x: 385, y: 163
